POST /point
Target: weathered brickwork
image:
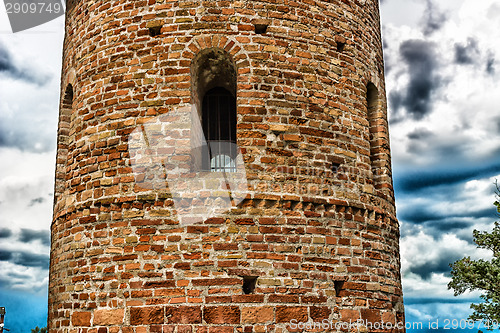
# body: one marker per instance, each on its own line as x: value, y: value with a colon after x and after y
x: 318, y: 231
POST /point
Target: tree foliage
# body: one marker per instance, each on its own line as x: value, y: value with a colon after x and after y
x: 482, y: 275
x: 39, y: 330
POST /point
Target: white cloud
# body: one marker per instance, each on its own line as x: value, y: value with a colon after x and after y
x: 28, y: 118
x: 422, y: 251
x: 25, y: 177
x: 466, y: 108
x: 26, y: 186
x: 470, y: 197
x: 30, y: 279
x: 29, y: 91
x: 427, y: 249
x: 460, y: 134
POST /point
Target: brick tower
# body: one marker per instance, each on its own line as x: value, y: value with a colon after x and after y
x: 296, y: 91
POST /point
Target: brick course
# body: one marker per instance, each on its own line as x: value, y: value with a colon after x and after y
x: 316, y: 154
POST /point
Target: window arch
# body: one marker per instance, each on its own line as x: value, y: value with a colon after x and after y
x: 372, y: 105
x: 63, y: 135
x: 67, y: 102
x: 214, y: 94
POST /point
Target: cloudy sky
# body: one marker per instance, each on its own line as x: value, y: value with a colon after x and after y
x: 442, y: 73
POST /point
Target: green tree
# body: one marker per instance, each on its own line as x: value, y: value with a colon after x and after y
x: 482, y: 275
x: 39, y: 330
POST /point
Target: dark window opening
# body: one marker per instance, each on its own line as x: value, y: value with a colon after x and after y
x: 372, y: 98
x: 67, y: 102
x: 249, y: 283
x: 213, y: 92
x: 338, y: 287
x: 260, y: 28
x: 66, y: 111
x: 155, y: 31
x: 63, y: 140
x: 373, y: 120
x: 219, y: 126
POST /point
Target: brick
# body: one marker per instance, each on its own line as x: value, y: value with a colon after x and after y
x: 81, y: 318
x: 349, y: 315
x: 371, y: 315
x: 146, y: 315
x: 257, y: 314
x: 160, y: 284
x: 107, y: 317
x: 319, y: 313
x: 389, y: 317
x: 216, y: 282
x: 222, y: 314
x: 183, y: 314
x: 285, y: 314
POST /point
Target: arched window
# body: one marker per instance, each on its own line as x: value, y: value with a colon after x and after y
x: 67, y: 102
x: 219, y: 126
x: 214, y: 94
x: 63, y: 135
x: 373, y: 115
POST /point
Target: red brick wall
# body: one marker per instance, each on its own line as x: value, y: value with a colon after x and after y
x: 120, y: 260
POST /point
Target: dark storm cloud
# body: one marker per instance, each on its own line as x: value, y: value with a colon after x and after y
x: 417, y: 215
x: 415, y: 181
x: 441, y: 221
x: 449, y: 226
x: 439, y: 265
x: 5, y: 255
x: 420, y: 134
x: 433, y: 18
x: 467, y: 54
x: 5, y: 233
x: 31, y: 259
x: 6, y: 64
x: 428, y: 146
x: 387, y: 59
x: 29, y: 235
x: 421, y: 59
x: 36, y: 201
x: 490, y: 64
x: 396, y: 98
x: 9, y: 68
x: 25, y: 259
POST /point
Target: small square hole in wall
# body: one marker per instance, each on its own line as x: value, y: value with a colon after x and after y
x: 260, y: 28
x: 340, y: 46
x: 249, y: 283
x: 155, y: 31
x: 335, y: 167
x: 338, y: 287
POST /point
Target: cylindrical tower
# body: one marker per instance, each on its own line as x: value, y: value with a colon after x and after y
x: 285, y: 105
